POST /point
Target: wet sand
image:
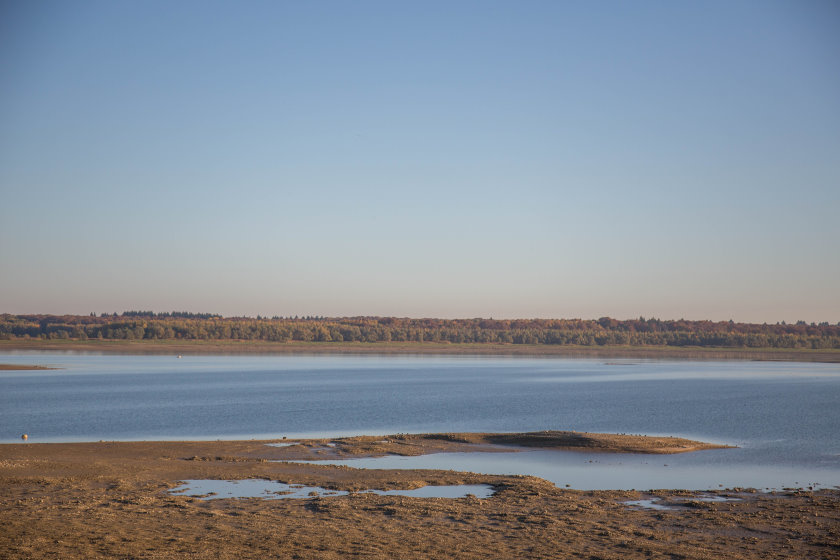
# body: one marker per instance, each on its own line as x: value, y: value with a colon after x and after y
x: 111, y: 500
x: 419, y: 444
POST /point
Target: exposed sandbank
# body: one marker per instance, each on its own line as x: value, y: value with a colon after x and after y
x: 6, y: 367
x: 418, y: 444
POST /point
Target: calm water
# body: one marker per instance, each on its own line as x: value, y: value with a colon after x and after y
x: 706, y: 470
x: 257, y: 488
x: 784, y: 415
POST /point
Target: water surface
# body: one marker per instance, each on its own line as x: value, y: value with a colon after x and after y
x: 712, y: 469
x: 782, y: 415
x: 257, y: 488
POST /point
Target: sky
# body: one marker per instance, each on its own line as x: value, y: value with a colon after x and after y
x: 553, y: 159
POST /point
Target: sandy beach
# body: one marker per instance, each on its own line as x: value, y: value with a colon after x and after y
x: 112, y: 500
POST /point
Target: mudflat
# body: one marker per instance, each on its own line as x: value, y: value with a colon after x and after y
x: 112, y: 500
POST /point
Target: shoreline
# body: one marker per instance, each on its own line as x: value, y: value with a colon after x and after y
x: 228, y: 347
x: 113, y: 499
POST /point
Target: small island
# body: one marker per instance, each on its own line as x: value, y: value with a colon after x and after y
x: 16, y: 367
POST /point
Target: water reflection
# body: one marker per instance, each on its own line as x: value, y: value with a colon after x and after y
x: 704, y: 470
x: 661, y: 504
x: 648, y: 504
x: 268, y: 489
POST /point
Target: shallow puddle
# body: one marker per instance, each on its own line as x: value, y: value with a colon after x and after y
x: 673, y: 504
x: 648, y: 504
x: 250, y: 488
x: 271, y: 490
x: 714, y: 499
x: 453, y: 491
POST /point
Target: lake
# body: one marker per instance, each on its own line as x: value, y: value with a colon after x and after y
x: 784, y: 416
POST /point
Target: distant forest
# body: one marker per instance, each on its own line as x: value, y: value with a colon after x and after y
x: 146, y: 325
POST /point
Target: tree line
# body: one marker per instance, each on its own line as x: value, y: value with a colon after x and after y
x: 142, y: 325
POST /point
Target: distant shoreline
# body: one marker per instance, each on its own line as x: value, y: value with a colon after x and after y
x: 162, y: 347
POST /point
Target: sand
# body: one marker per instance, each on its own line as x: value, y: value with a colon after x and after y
x: 111, y: 500
x: 16, y: 367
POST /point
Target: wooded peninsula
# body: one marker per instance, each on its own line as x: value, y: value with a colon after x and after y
x: 603, y: 332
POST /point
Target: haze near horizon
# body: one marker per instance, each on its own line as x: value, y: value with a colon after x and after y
x: 470, y: 159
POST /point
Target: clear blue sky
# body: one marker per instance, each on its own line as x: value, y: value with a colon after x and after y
x: 449, y: 159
